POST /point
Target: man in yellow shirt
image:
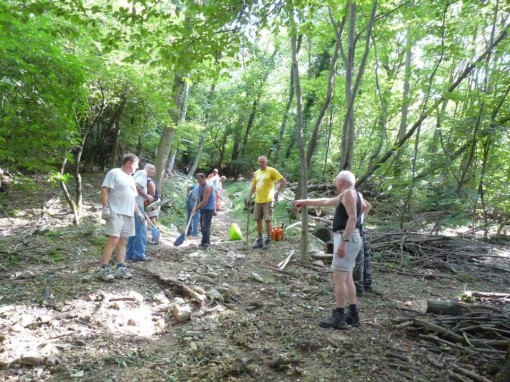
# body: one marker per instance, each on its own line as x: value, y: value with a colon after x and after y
x: 265, y: 196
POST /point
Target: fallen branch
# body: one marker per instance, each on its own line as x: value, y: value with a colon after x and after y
x: 284, y: 263
x: 429, y: 326
x: 470, y: 374
x: 59, y: 316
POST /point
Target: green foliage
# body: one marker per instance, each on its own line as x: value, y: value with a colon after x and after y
x: 40, y: 84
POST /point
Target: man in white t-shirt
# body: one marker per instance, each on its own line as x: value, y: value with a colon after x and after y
x: 137, y: 244
x: 118, y: 193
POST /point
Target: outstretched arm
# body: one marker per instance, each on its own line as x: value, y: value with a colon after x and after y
x: 324, y: 202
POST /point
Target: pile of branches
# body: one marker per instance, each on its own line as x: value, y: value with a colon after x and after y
x: 449, y: 254
x: 479, y: 335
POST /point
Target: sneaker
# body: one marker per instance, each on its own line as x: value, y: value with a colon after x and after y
x: 203, y: 246
x: 106, y: 274
x: 122, y: 273
x: 336, y: 321
x: 258, y: 244
x: 352, y: 319
x: 267, y: 243
x: 144, y: 259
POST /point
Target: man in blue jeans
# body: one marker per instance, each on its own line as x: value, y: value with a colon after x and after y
x: 207, y: 206
x: 190, y: 204
x: 138, y: 243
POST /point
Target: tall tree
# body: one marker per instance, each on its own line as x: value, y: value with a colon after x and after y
x: 351, y: 89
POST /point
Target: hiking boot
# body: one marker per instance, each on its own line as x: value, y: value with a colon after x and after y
x: 122, y: 273
x: 267, y: 244
x: 336, y: 321
x: 258, y: 244
x: 352, y: 319
x: 360, y: 292
x: 369, y: 289
x: 106, y: 274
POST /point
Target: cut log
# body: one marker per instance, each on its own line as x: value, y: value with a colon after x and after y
x: 182, y: 288
x: 488, y: 294
x: 448, y: 308
x: 323, y: 233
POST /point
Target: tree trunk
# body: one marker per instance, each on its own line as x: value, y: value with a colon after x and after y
x: 302, y: 153
x: 406, y: 98
x: 162, y: 154
x: 251, y: 119
x: 328, y: 140
x: 312, y: 143
x: 171, y: 162
x: 178, y: 115
x: 381, y: 119
x: 70, y: 202
x: 249, y: 126
x: 276, y: 147
x: 114, y: 162
x: 351, y: 91
x: 203, y: 133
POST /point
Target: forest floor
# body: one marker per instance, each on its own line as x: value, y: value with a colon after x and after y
x: 249, y: 321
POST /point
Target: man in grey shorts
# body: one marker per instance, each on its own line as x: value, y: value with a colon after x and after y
x: 347, y: 243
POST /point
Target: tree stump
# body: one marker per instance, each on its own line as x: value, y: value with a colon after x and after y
x: 326, y: 236
x: 504, y: 373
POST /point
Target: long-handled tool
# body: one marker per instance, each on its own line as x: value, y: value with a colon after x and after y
x: 248, y: 222
x: 154, y: 231
x: 182, y: 236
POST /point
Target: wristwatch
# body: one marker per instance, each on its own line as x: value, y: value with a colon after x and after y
x: 347, y: 240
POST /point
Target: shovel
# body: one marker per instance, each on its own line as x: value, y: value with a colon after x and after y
x: 154, y: 231
x: 182, y: 236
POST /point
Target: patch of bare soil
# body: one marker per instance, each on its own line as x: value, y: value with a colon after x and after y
x: 242, y: 319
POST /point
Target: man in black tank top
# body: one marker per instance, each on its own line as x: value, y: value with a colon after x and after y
x: 347, y: 243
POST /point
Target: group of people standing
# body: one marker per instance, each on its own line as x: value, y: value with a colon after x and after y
x: 123, y: 197
x: 125, y: 192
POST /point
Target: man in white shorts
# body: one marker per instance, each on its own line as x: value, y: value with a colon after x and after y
x: 118, y: 193
x: 347, y: 243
